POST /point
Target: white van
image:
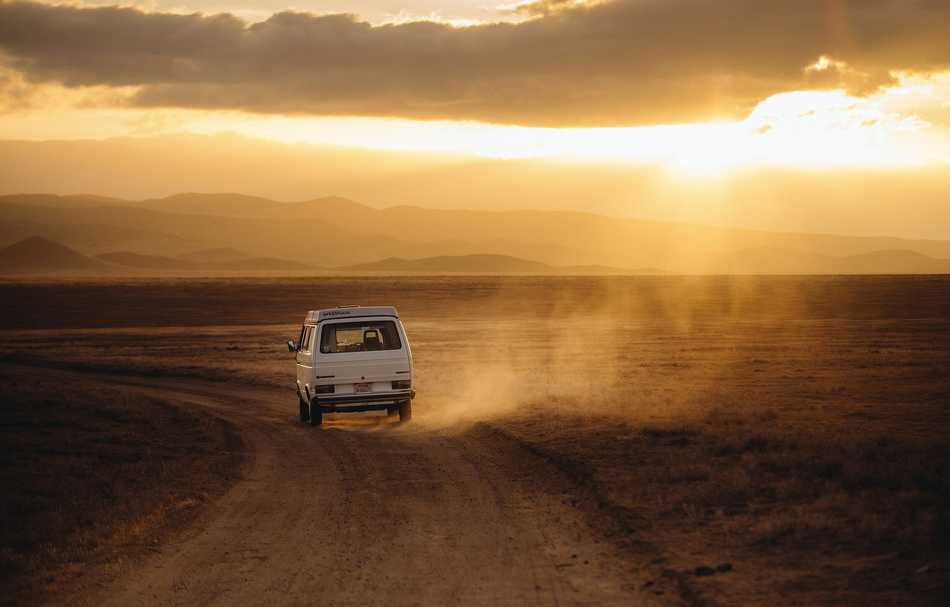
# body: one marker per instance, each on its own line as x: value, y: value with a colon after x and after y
x: 353, y: 358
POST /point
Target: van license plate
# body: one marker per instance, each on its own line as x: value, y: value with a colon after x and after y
x: 361, y: 387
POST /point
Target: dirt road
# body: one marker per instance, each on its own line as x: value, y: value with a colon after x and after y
x: 365, y: 511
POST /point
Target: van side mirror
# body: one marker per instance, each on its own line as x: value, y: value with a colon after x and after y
x: 291, y: 346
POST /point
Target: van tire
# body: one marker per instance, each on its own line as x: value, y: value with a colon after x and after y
x: 316, y: 415
x: 405, y: 411
x: 304, y: 411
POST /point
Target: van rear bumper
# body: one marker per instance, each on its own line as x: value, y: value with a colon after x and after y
x: 363, y: 402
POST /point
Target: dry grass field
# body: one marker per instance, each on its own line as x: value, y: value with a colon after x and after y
x: 94, y: 477
x: 745, y: 440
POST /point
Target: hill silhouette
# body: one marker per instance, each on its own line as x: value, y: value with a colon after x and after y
x: 894, y: 262
x: 786, y: 261
x: 37, y: 255
x: 338, y: 232
x: 229, y: 204
x: 858, y: 201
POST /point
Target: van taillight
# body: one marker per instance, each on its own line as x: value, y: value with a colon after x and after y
x: 402, y: 384
x: 327, y: 389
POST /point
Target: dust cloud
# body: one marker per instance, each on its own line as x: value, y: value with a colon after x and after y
x: 641, y: 348
x: 647, y: 349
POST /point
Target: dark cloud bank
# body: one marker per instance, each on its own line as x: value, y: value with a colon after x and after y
x: 614, y: 63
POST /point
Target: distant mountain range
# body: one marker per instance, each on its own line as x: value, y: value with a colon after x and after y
x: 235, y: 233
x: 878, y: 200
x: 783, y: 261
x: 38, y: 255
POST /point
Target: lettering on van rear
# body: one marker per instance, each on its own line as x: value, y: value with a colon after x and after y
x: 352, y: 312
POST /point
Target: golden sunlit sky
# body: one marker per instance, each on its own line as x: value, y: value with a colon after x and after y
x: 699, y: 87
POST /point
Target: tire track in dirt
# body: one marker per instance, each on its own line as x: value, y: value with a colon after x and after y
x: 364, y: 511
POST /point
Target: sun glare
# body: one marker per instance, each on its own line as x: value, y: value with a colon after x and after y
x: 813, y: 129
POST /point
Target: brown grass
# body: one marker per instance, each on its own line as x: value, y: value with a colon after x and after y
x: 831, y: 521
x: 796, y: 428
x: 95, y: 476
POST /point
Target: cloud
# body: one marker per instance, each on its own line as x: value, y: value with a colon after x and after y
x: 15, y: 94
x: 545, y: 7
x: 624, y: 62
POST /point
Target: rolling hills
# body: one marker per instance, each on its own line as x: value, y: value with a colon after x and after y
x: 334, y: 232
x: 905, y: 201
x: 37, y: 254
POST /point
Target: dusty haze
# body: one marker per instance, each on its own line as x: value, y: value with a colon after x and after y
x: 909, y: 202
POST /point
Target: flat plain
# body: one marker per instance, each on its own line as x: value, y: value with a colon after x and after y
x: 684, y: 440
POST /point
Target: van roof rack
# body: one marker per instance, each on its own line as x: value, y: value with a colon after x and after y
x: 315, y: 316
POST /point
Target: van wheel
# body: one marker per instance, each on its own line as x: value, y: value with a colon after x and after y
x: 304, y: 411
x: 405, y: 411
x: 391, y: 411
x: 316, y: 415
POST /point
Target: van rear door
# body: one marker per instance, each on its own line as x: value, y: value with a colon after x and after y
x: 364, y: 355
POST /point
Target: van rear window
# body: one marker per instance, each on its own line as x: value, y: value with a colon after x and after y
x: 366, y: 336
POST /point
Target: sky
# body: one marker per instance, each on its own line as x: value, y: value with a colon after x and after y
x: 701, y: 88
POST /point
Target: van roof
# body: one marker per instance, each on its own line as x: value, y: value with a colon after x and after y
x: 314, y: 316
